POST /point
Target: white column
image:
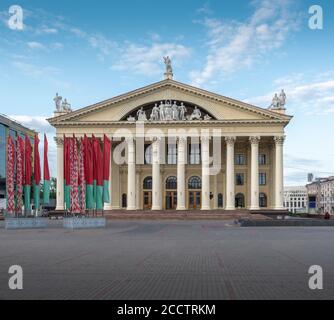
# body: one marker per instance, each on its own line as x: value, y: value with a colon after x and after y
x: 138, y: 194
x: 60, y: 173
x: 230, y: 197
x: 205, y: 143
x: 156, y: 179
x: 108, y: 206
x: 181, y: 184
x: 254, y: 173
x: 131, y: 196
x: 279, y: 141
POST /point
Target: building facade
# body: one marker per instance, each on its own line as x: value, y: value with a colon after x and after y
x: 175, y: 146
x: 296, y: 199
x: 321, y: 195
x: 12, y: 128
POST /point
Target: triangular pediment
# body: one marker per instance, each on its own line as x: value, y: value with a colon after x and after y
x: 218, y: 106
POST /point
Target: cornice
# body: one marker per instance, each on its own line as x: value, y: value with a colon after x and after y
x: 167, y: 124
x: 171, y: 84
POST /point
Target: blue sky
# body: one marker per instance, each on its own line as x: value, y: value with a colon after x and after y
x: 89, y: 51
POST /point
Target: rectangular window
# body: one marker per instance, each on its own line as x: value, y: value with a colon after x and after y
x: 240, y: 159
x: 239, y: 179
x: 262, y: 159
x: 262, y: 178
x: 171, y: 154
x: 195, y: 154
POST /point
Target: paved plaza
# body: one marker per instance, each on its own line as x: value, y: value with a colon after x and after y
x: 168, y: 259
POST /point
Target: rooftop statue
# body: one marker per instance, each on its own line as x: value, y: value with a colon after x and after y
x: 168, y: 63
x: 278, y: 101
x: 282, y: 98
x: 65, y: 106
x: 58, y: 99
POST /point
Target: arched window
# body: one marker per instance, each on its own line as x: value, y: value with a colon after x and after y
x: 220, y: 200
x: 262, y: 200
x: 171, y: 183
x: 239, y: 200
x: 148, y: 154
x: 194, y: 183
x: 147, y: 184
x: 124, y: 202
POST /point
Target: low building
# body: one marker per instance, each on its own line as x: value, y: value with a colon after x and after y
x: 296, y: 199
x: 321, y: 195
x: 8, y: 127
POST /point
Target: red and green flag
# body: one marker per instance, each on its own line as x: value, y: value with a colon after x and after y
x: 37, y: 173
x: 10, y: 176
x: 27, y: 175
x: 98, y: 173
x: 67, y: 186
x: 82, y: 179
x: 46, y: 173
x: 89, y: 174
x: 19, y: 174
x: 74, y: 178
x: 106, y: 168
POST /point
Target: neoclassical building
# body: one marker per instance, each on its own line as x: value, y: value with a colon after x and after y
x: 175, y: 146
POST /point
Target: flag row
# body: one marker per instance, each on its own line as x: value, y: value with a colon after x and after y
x: 86, y: 173
x: 24, y: 172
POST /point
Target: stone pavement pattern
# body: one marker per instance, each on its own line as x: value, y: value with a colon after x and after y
x: 167, y: 260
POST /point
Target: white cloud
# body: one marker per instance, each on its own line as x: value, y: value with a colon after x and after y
x: 312, y: 97
x: 234, y: 45
x: 35, y: 71
x: 147, y: 59
x: 36, y: 45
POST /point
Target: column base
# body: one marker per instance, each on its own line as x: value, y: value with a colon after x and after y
x: 131, y: 208
x: 181, y: 208
x: 115, y: 208
x: 229, y: 208
x: 107, y: 207
x: 279, y: 208
x: 254, y: 208
x: 60, y: 208
x: 156, y: 208
x: 206, y: 208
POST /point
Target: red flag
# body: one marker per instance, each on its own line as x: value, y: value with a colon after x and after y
x: 10, y: 175
x: 82, y: 180
x: 98, y: 161
x: 37, y: 164
x: 19, y: 173
x: 28, y: 169
x: 46, y: 172
x: 88, y: 157
x: 106, y: 157
x: 75, y: 207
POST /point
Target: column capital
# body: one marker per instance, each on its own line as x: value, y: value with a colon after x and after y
x: 279, y: 140
x: 230, y: 140
x: 254, y: 139
x: 59, y: 141
x: 205, y: 138
x: 129, y: 139
x: 181, y: 139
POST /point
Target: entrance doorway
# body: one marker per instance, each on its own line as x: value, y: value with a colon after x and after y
x: 147, y: 193
x: 194, y: 192
x: 147, y: 200
x: 195, y: 199
x: 171, y: 193
x: 171, y: 200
